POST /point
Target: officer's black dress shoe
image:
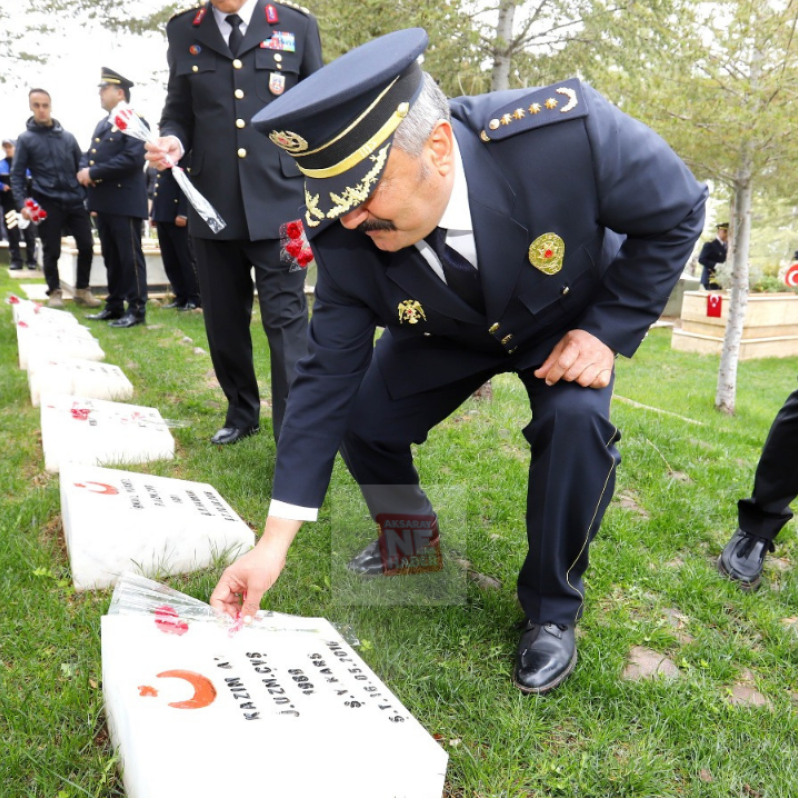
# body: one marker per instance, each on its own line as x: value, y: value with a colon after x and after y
x: 546, y: 655
x: 743, y: 559
x: 367, y: 562
x: 228, y: 435
x: 105, y: 315
x: 128, y: 320
x: 173, y: 305
x: 15, y: 267
x: 188, y: 306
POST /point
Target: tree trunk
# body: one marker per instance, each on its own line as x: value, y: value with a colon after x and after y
x: 740, y: 236
x: 502, y: 52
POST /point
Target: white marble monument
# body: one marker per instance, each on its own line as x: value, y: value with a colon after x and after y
x: 73, y: 376
x: 285, y: 708
x: 38, y: 340
x: 97, y: 432
x: 117, y: 521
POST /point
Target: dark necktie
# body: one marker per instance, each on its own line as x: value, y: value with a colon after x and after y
x: 236, y: 37
x: 460, y: 275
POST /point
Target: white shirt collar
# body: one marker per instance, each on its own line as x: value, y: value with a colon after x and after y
x: 457, y: 216
x: 245, y: 12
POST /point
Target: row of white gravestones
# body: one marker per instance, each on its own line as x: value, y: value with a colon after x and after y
x: 283, y: 708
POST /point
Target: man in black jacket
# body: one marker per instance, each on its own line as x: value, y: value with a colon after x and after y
x: 52, y: 156
x: 227, y: 60
x: 9, y: 207
x: 113, y: 172
x: 713, y: 253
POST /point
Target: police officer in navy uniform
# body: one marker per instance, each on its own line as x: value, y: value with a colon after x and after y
x: 226, y: 60
x: 113, y: 173
x: 712, y: 254
x: 538, y: 232
x: 169, y: 217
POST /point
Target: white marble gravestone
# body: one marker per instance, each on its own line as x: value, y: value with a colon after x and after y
x: 74, y: 376
x: 117, y: 521
x: 24, y: 310
x: 45, y: 339
x: 284, y: 711
x: 97, y: 432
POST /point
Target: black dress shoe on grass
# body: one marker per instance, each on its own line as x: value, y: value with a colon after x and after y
x: 173, y: 305
x: 743, y: 559
x: 228, y: 435
x: 189, y: 306
x: 546, y: 656
x: 105, y: 315
x: 367, y: 562
x: 128, y: 320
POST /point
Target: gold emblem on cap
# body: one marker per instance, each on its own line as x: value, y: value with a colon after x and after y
x: 290, y: 142
x: 355, y: 195
x: 551, y: 103
x: 547, y: 252
x: 410, y: 311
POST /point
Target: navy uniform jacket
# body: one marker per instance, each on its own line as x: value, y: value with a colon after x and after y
x: 116, y: 165
x: 253, y: 184
x: 168, y: 200
x: 712, y: 253
x: 592, y: 178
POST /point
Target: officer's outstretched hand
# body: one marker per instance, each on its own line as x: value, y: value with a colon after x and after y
x: 166, y: 152
x: 579, y: 357
x: 243, y: 584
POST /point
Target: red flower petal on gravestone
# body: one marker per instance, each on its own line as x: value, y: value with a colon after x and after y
x: 80, y: 413
x: 13, y: 300
x: 168, y: 621
x: 22, y: 324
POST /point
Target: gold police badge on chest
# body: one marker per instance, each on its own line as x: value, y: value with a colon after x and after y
x: 547, y: 252
x: 410, y: 311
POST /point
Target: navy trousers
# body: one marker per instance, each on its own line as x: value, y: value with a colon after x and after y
x: 571, y: 472
x: 120, y: 239
x: 224, y: 271
x: 776, y: 478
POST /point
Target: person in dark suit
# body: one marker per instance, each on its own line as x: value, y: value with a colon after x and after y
x: 761, y: 517
x: 490, y: 234
x: 113, y: 173
x: 9, y: 207
x: 169, y: 216
x: 712, y: 253
x: 226, y: 60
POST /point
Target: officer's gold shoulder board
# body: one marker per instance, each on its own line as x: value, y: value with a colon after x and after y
x: 295, y: 6
x: 196, y: 7
x: 541, y: 107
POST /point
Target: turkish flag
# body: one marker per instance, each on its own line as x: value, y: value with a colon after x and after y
x: 714, y: 304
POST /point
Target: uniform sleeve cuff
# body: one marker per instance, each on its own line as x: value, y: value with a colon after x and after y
x: 292, y: 512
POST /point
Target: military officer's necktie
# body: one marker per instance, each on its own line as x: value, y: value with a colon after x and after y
x: 460, y: 275
x: 236, y: 37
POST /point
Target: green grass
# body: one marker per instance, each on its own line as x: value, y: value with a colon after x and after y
x: 597, y: 735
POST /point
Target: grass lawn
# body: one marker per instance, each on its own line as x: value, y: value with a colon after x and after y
x: 652, y: 583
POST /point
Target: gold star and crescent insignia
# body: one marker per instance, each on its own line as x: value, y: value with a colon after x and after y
x: 546, y: 253
x: 540, y: 108
x: 410, y: 311
x: 290, y: 142
x: 572, y: 100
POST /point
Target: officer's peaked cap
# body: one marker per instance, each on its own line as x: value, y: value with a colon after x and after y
x: 339, y: 122
x: 110, y: 78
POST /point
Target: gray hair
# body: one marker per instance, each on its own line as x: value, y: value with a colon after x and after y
x: 430, y: 107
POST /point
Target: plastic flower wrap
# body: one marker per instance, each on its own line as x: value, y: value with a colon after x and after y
x: 35, y: 211
x: 294, y: 247
x: 128, y: 121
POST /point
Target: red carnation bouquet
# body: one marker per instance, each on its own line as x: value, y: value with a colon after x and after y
x: 294, y: 247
